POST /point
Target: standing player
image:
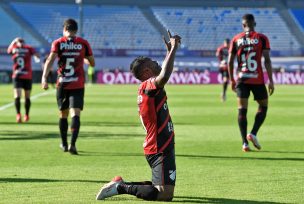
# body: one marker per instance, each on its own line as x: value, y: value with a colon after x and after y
x: 249, y: 47
x: 71, y: 52
x: 222, y: 55
x: 22, y: 74
x: 159, y: 142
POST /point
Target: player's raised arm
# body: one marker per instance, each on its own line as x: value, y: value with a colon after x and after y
x: 47, y: 67
x: 10, y: 47
x: 231, y: 57
x: 268, y: 67
x: 168, y: 63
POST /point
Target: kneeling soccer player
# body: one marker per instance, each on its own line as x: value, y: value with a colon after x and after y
x: 159, y: 142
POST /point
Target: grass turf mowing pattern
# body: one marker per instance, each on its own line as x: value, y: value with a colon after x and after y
x: 211, y: 168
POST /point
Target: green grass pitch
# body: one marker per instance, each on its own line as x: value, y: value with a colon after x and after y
x: 211, y: 168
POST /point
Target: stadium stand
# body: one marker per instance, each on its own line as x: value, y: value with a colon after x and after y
x: 47, y: 18
x: 120, y: 27
x: 205, y: 28
x: 111, y: 27
x: 10, y: 29
x: 298, y: 15
x: 117, y: 27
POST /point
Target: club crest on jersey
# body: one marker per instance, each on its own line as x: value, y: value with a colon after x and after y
x: 247, y: 41
x: 70, y: 46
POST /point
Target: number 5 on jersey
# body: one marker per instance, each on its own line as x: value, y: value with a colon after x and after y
x: 69, y: 67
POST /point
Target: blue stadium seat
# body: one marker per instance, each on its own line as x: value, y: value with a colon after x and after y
x: 46, y: 18
x: 10, y: 29
x: 125, y: 27
x: 209, y: 26
x: 298, y: 15
x: 112, y: 27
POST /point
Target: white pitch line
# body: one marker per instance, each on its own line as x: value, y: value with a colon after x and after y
x: 32, y: 98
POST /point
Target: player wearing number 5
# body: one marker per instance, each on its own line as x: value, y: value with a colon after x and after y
x: 249, y: 47
x: 71, y: 52
x: 22, y: 74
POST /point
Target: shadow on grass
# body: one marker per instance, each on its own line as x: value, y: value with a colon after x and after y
x: 37, y: 180
x: 193, y: 199
x: 83, y: 123
x: 241, y: 158
x: 19, y: 135
x: 35, y: 135
x: 124, y: 154
x: 110, y: 154
x: 283, y: 152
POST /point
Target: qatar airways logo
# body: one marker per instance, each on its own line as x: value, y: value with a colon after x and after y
x: 247, y: 41
x: 70, y: 46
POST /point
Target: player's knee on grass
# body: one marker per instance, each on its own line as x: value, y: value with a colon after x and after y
x: 165, y: 193
x: 146, y: 192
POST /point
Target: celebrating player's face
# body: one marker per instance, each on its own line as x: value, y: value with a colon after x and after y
x: 149, y: 69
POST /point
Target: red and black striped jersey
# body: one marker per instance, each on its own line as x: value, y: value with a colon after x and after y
x: 248, y: 48
x: 222, y: 55
x: 22, y: 58
x: 71, y: 53
x: 155, y: 117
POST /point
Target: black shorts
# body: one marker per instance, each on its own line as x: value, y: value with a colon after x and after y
x: 70, y: 98
x: 163, y: 168
x: 259, y: 91
x: 25, y: 84
x: 224, y: 73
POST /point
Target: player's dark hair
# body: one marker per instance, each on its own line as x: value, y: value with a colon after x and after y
x: 136, y: 65
x: 70, y: 25
x: 227, y: 40
x: 21, y: 40
x: 248, y: 17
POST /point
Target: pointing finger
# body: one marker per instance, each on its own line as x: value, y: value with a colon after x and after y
x: 169, y: 34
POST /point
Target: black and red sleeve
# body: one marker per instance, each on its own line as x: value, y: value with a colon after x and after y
x: 265, y: 42
x: 55, y: 46
x: 232, y: 47
x: 88, y: 49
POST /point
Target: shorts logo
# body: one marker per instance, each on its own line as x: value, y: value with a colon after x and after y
x: 172, y: 174
x: 165, y: 106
